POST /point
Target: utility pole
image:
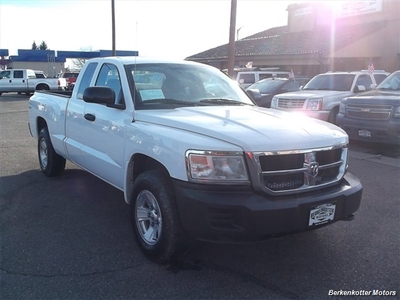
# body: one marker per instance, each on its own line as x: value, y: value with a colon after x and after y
x: 113, y: 26
x: 231, y: 49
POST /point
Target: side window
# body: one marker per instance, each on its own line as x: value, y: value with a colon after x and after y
x: 379, y: 78
x: 291, y: 86
x: 18, y: 74
x: 247, y: 78
x: 86, y: 78
x: 109, y: 77
x: 364, y: 80
x: 5, y: 74
x: 264, y: 75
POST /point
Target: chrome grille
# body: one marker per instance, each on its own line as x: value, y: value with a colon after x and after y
x: 369, y: 112
x: 291, y: 103
x: 296, y: 171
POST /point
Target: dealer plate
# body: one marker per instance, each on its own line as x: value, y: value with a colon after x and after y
x: 364, y: 133
x: 322, y: 214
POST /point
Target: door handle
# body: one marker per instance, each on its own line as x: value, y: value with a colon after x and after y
x: 90, y: 117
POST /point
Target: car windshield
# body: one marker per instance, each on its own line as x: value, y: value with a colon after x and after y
x: 391, y: 83
x: 267, y: 86
x: 331, y: 82
x: 170, y: 85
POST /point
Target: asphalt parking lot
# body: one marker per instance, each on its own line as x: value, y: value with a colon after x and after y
x: 69, y: 238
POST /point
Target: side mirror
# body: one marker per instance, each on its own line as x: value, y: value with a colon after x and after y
x: 254, y: 94
x: 373, y: 85
x: 99, y: 95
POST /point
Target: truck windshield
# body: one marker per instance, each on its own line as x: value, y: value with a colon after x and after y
x: 168, y: 85
x: 331, y: 82
x: 390, y: 83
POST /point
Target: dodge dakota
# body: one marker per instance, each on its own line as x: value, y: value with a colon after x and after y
x: 193, y: 155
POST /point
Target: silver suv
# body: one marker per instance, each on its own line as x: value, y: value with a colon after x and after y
x: 321, y: 96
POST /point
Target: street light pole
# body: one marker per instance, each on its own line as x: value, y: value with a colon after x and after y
x: 113, y: 27
x: 231, y: 49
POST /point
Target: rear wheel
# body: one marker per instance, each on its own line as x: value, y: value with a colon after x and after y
x: 154, y: 217
x: 50, y: 162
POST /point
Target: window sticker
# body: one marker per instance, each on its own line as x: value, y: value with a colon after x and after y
x: 152, y: 94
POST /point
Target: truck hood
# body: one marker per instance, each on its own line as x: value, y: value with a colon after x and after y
x: 251, y: 128
x: 305, y: 94
x: 378, y: 94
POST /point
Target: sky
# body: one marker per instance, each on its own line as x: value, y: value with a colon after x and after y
x: 168, y: 29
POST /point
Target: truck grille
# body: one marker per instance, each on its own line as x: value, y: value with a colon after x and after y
x: 301, y: 170
x: 290, y: 103
x: 369, y: 112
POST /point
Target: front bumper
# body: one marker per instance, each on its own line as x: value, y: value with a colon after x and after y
x: 236, y: 213
x: 387, y: 131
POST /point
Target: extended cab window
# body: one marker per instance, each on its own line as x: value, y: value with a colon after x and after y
x: 109, y: 77
x: 86, y: 79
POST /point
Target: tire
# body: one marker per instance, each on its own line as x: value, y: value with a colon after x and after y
x: 154, y: 217
x: 50, y: 162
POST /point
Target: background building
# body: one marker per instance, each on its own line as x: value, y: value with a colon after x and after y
x: 318, y: 39
x: 52, y: 62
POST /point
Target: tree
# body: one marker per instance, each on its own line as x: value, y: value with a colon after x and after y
x: 43, y: 46
x: 34, y: 46
x: 78, y: 63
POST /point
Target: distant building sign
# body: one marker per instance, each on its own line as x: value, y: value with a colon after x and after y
x: 352, y: 8
x: 303, y: 11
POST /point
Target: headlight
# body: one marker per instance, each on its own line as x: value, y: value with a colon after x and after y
x: 396, y: 113
x: 216, y: 167
x: 314, y: 104
x: 274, y: 102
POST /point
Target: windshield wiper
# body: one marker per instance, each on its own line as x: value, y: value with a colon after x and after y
x: 170, y: 101
x: 223, y: 101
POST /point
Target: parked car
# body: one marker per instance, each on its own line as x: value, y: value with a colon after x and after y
x: 70, y: 77
x: 263, y: 91
x: 321, y: 96
x: 25, y: 81
x: 375, y: 115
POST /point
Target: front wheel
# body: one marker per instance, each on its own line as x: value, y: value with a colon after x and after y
x: 154, y: 217
x: 50, y: 162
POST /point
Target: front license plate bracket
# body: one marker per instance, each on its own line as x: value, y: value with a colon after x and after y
x: 322, y: 214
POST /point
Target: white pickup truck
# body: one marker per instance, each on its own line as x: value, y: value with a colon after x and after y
x: 194, y: 156
x: 321, y: 96
x: 25, y: 81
